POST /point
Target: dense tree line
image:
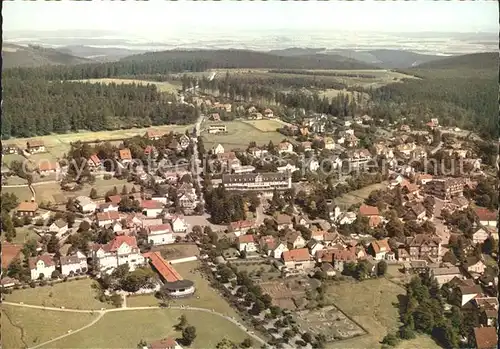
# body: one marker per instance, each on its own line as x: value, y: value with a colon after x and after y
x: 37, y: 107
x: 463, y: 98
x: 224, y: 206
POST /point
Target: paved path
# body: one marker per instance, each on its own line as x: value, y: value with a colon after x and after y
x: 103, y: 312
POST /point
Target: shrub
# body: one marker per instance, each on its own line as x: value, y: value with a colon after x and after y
x: 32, y: 284
x: 43, y: 283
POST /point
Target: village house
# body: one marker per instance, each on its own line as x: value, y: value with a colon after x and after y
x: 329, y: 143
x: 214, y: 117
x: 474, y: 266
x: 379, y: 249
x: 228, y: 160
x: 125, y: 156
x: 184, y: 141
x: 218, y: 128
x: 240, y: 227
x: 107, y: 218
x: 246, y: 243
x: 285, y: 147
x: 406, y: 149
x: 416, y: 212
x: 283, y: 221
x: 41, y: 267
x: 358, y: 157
x: 108, y: 207
x: 219, y: 149
x: 160, y: 234
x: 46, y: 168
x: 35, y: 146
x: 151, y: 208
x: 165, y: 343
x: 179, y: 224
x: 423, y: 178
x: 468, y: 293
x: 273, y: 246
x: 424, y: 246
x: 59, y: 227
x: 287, y: 168
x: 242, y: 169
x: 121, y: 250
x: 298, y: 259
x: 486, y: 337
x: 295, y: 240
x: 154, y: 135
x: 445, y: 189
x: 444, y: 275
x: 351, y: 141
x: 480, y: 236
x: 368, y: 211
x: 9, y: 148
x: 73, y: 264
x: 94, y: 162
x: 315, y: 246
x: 488, y: 306
x: 268, y: 113
x: 84, y: 204
x: 26, y: 208
x: 151, y: 151
x: 486, y: 217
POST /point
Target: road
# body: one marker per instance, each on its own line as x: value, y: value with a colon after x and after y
x: 439, y: 146
x: 195, y: 159
x: 103, y: 312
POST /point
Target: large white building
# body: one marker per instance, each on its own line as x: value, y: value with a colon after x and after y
x: 121, y: 250
x: 74, y: 264
x: 41, y: 267
x: 85, y: 204
x: 257, y: 181
x: 161, y: 234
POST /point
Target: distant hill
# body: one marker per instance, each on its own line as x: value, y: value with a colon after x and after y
x: 297, y: 51
x: 484, y: 60
x: 102, y: 54
x: 35, y: 56
x: 387, y: 59
x: 221, y: 59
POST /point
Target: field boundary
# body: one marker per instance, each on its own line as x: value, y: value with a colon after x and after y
x: 4, y: 313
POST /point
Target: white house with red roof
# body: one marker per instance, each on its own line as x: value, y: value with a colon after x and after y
x: 151, y: 208
x: 247, y: 243
x: 160, y: 234
x: 240, y: 227
x: 121, y: 250
x: 94, y: 162
x: 179, y: 224
x: 486, y: 217
x: 41, y: 267
x: 106, y: 218
x: 298, y: 259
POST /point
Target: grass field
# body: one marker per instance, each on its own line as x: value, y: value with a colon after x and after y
x: 170, y: 87
x: 125, y: 329
x: 240, y: 134
x: 72, y: 294
x: 24, y: 234
x: 358, y: 196
x: 372, y: 308
x: 22, y: 193
x: 264, y: 125
x: 38, y: 325
x: 205, y: 296
x: 419, y: 342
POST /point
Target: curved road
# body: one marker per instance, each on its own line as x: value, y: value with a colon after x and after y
x: 104, y: 312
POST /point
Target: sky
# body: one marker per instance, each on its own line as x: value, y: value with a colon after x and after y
x: 161, y: 18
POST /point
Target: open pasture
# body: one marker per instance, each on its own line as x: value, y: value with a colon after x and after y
x: 164, y: 86
x: 239, y: 135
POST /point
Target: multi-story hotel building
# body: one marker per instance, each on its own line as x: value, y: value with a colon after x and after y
x: 257, y: 181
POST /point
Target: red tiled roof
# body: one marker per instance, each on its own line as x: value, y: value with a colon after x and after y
x: 160, y: 227
x: 35, y: 143
x: 108, y: 216
x: 241, y: 224
x: 165, y: 269
x: 381, y: 246
x: 298, y: 255
x: 115, y: 199
x: 125, y: 154
x: 486, y: 337
x: 366, y: 210
x: 151, y: 204
x: 48, y: 166
x: 148, y: 149
x: 115, y: 244
x: 245, y: 239
x: 26, y: 206
x: 154, y: 133
x: 94, y: 159
x: 9, y: 253
x: 485, y: 215
x: 45, y: 258
x: 165, y: 343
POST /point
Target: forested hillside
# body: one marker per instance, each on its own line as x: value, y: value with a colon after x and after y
x: 179, y: 61
x: 39, y: 107
x: 35, y: 56
x: 458, y: 91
